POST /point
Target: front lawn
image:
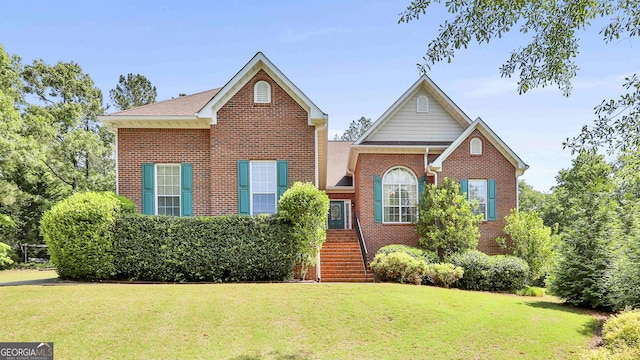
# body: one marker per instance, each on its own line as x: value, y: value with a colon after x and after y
x: 26, y: 275
x: 292, y: 321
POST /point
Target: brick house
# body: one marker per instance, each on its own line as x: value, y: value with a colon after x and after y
x: 236, y: 149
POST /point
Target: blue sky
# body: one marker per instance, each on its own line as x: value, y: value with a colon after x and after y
x: 350, y: 57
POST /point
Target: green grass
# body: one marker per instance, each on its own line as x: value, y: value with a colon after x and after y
x: 24, y: 275
x: 291, y: 321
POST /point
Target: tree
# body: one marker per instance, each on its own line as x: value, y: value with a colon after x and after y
x: 133, y: 91
x: 77, y: 148
x: 355, y: 130
x: 623, y: 281
x: 530, y: 199
x: 589, y: 231
x: 548, y: 57
x: 530, y: 240
x: 306, y: 207
x: 446, y: 223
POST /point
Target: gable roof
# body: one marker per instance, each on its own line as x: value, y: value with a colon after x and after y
x: 180, y: 106
x: 423, y: 82
x: 492, y: 137
x: 257, y: 63
x: 337, y: 163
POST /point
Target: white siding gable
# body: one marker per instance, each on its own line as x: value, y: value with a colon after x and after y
x: 407, y: 124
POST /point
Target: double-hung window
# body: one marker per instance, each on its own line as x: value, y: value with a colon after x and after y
x: 168, y: 189
x: 263, y: 187
x: 478, y: 196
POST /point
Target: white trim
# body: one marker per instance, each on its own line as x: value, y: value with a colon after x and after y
x: 251, y: 192
x: 317, y: 154
x: 383, y: 149
x: 486, y: 195
x: 426, y: 82
x: 520, y: 166
x: 415, y: 178
x: 257, y: 63
x: 155, y: 185
x: 346, y: 207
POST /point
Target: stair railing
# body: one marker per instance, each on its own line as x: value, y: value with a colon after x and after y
x: 363, y: 247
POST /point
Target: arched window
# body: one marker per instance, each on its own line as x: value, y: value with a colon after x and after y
x: 423, y: 104
x: 262, y: 92
x: 475, y: 146
x: 400, y: 196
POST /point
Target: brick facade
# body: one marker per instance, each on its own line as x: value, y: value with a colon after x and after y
x: 377, y: 235
x: 244, y: 131
x: 164, y: 146
x: 490, y: 165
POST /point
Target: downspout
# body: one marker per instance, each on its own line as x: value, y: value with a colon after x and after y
x: 426, y: 167
x: 316, y: 133
x: 116, y: 153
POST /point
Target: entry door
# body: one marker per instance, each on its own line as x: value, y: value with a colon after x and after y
x: 336, y: 215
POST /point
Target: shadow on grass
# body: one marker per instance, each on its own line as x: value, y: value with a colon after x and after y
x: 48, y: 281
x: 276, y: 355
x: 592, y: 327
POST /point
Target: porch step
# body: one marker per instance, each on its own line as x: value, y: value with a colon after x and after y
x: 341, y: 259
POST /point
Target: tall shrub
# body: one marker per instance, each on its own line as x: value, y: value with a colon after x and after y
x: 446, y: 224
x: 623, y: 280
x: 79, y: 232
x: 530, y: 240
x: 306, y: 208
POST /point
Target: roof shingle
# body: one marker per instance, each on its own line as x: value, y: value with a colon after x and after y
x: 180, y: 106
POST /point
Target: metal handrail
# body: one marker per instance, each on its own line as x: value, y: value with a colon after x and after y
x: 363, y: 247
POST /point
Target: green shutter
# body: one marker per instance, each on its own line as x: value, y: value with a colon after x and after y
x: 421, y: 184
x: 377, y: 199
x: 243, y: 187
x: 148, y: 206
x: 186, y: 194
x: 464, y: 188
x: 283, y: 176
x: 491, y: 199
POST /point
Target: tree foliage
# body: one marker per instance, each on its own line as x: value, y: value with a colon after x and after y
x: 446, y: 223
x: 306, y: 207
x: 589, y: 231
x: 355, y: 130
x: 133, y: 91
x: 530, y: 240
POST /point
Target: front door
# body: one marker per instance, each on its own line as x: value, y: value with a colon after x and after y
x: 336, y: 215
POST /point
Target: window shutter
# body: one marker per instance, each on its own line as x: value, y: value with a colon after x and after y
x: 186, y: 194
x: 148, y: 207
x: 464, y: 188
x: 243, y: 187
x: 377, y: 199
x: 282, y: 167
x: 422, y: 182
x: 491, y: 199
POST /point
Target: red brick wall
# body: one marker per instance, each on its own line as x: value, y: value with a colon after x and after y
x: 490, y: 165
x: 138, y: 146
x: 249, y: 131
x: 378, y: 235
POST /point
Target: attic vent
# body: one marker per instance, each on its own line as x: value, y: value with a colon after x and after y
x: 476, y: 146
x: 262, y: 92
x: 423, y: 104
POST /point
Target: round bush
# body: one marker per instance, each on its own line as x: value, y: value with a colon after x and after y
x: 622, y: 330
x: 398, y: 267
x: 419, y: 254
x: 79, y: 233
x: 490, y: 273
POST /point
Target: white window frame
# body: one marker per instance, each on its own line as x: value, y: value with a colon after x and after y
x: 399, y: 206
x: 478, y: 146
x: 251, y: 187
x: 426, y: 104
x: 256, y: 91
x: 486, y: 195
x: 155, y: 190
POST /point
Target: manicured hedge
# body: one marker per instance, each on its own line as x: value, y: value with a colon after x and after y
x: 229, y: 248
x: 78, y: 231
x: 416, y: 253
x: 490, y: 273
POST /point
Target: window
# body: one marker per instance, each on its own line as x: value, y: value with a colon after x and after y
x: 475, y: 146
x: 478, y: 195
x: 263, y: 187
x: 168, y: 189
x: 262, y: 92
x: 423, y: 104
x: 400, y: 196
